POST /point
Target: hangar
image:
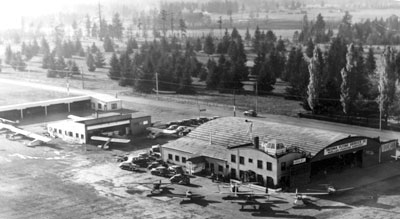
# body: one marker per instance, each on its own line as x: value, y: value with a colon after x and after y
x: 273, y: 154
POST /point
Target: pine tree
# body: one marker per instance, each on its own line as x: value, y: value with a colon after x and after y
x: 310, y: 48
x: 93, y: 48
x: 213, y: 76
x: 17, y: 63
x: 108, y: 44
x: 115, y: 68
x: 370, y: 63
x: 209, y: 47
x: 90, y: 62
x: 198, y: 45
x: 145, y: 82
x: 247, y: 37
x: 126, y: 70
x: 117, y: 27
x: 99, y: 59
x: 266, y: 78
x: 258, y: 63
x: 8, y: 55
x: 345, y: 96
x: 95, y: 30
x: 44, y: 46
x: 88, y: 25
x: 290, y: 66
x: 77, y: 47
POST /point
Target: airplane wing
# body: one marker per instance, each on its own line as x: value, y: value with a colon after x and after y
x: 115, y: 140
x: 25, y: 133
x: 77, y: 118
x: 345, y: 189
x: 150, y: 183
x: 315, y: 193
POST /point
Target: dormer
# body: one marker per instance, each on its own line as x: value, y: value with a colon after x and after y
x: 273, y: 147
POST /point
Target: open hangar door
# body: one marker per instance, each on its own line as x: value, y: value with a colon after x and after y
x: 352, y: 152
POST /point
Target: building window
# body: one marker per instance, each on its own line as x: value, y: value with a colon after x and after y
x: 76, y: 135
x: 233, y: 173
x: 70, y: 134
x: 66, y: 133
x: 183, y: 159
x: 145, y: 122
x: 114, y: 106
x: 269, y: 166
x: 220, y: 168
x: 250, y: 160
x: 59, y: 131
x: 169, y: 156
x: 233, y: 158
x: 283, y: 166
x: 241, y: 160
x: 176, y: 158
x: 259, y: 164
x: 99, y: 105
x: 82, y: 137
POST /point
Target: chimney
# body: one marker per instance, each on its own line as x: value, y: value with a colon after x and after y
x: 256, y: 142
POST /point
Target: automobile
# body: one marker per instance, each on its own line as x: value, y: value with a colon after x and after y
x: 176, y: 169
x: 160, y: 171
x: 252, y: 113
x: 153, y: 165
x: 122, y: 158
x: 172, y: 127
x: 126, y: 165
x: 180, y: 179
x: 140, y: 161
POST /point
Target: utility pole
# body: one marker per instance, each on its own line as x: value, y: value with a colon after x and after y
x: 257, y: 96
x: 100, y: 26
x: 68, y: 83
x: 157, y: 84
x: 83, y: 83
x: 234, y: 104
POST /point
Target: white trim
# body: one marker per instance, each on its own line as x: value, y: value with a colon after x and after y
x: 110, y: 124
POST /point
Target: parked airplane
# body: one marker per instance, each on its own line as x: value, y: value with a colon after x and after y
x: 158, y: 187
x: 234, y: 186
x: 107, y: 141
x: 37, y: 139
x: 330, y: 190
x: 157, y: 132
x: 250, y: 200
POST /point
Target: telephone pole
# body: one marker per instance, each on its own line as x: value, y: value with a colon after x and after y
x: 157, y: 84
x: 83, y: 82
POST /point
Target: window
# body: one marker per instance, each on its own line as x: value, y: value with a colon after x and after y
x: 82, y: 137
x: 70, y: 134
x: 114, y: 106
x: 220, y: 168
x: 145, y: 122
x: 241, y: 160
x: 233, y: 173
x: 269, y: 166
x: 250, y: 160
x: 183, y: 159
x: 233, y: 158
x: 66, y: 133
x: 283, y: 166
x: 99, y: 105
x: 176, y: 158
x: 59, y: 131
x: 76, y: 135
x: 169, y: 156
x: 259, y: 164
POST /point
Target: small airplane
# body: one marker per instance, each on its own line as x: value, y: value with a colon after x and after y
x: 234, y: 189
x: 6, y: 121
x: 250, y: 200
x: 157, y: 132
x: 107, y: 141
x: 158, y: 187
x: 37, y: 139
x: 330, y: 190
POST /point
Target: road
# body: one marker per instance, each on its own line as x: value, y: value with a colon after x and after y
x: 166, y: 111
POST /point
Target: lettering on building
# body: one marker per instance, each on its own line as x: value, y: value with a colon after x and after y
x: 345, y: 147
x: 299, y: 161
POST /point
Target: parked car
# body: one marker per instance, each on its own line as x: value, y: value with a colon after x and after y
x: 175, y: 169
x: 160, y: 171
x: 126, y: 165
x: 122, y: 158
x: 251, y: 113
x: 153, y: 165
x: 140, y: 161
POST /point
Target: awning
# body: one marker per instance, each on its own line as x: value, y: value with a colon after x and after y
x: 197, y: 159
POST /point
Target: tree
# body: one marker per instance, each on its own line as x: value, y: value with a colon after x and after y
x: 73, y: 68
x: 247, y: 37
x: 117, y: 27
x: 345, y: 96
x: 8, y: 55
x: 108, y: 44
x: 115, y: 68
x: 314, y: 86
x: 266, y: 78
x: 95, y: 31
x: 319, y: 29
x: 131, y: 45
x: 370, y: 63
x: 17, y: 63
x: 93, y: 48
x: 145, y: 81
x: 99, y: 60
x: 345, y: 30
x: 44, y: 46
x: 88, y: 25
x: 182, y: 27
x: 90, y: 62
x: 213, y: 76
x: 209, y: 47
x: 310, y: 48
x: 126, y: 70
x: 198, y: 45
x: 387, y: 83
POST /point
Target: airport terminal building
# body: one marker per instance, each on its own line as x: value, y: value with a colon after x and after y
x: 274, y: 154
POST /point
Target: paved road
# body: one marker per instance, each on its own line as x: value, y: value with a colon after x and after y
x: 167, y: 111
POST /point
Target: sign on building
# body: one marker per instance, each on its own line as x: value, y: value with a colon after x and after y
x: 345, y: 147
x: 299, y: 161
x: 389, y: 146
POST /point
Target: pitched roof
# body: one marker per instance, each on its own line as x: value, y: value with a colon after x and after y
x: 228, y: 132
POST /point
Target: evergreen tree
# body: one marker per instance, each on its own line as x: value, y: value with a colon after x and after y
x: 213, y: 76
x: 90, y: 62
x: 131, y: 45
x: 258, y: 63
x: 77, y: 47
x: 126, y: 70
x: 88, y: 25
x: 8, y: 55
x: 319, y: 29
x: 95, y: 30
x: 247, y: 37
x: 93, y: 48
x: 117, y: 27
x: 370, y: 63
x: 209, y: 47
x: 310, y: 48
x: 17, y: 63
x: 115, y: 68
x: 46, y: 60
x: 73, y: 68
x: 44, y: 46
x: 35, y: 47
x: 145, y: 82
x: 266, y: 78
x: 99, y: 60
x: 108, y: 44
x: 257, y: 40
x: 299, y: 78
x: 345, y: 30
x: 198, y: 45
x: 290, y: 66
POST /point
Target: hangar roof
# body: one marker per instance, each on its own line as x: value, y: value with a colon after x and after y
x: 228, y: 132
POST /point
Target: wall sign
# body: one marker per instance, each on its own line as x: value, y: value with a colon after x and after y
x: 389, y: 146
x: 298, y: 161
x: 345, y: 147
